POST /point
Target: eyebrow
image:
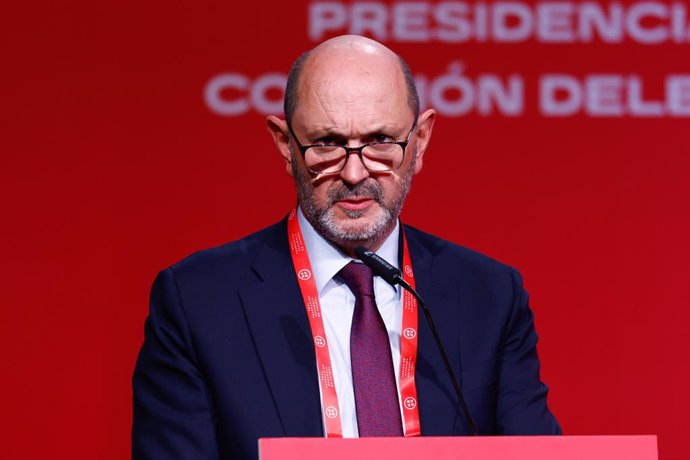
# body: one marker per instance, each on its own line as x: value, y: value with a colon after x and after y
x: 320, y: 132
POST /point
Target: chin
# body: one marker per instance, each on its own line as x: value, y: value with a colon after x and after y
x: 354, y: 227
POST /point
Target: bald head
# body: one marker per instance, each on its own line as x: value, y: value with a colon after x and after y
x: 351, y: 94
x: 359, y: 54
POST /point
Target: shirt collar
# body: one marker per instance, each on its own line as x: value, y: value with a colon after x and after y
x: 327, y: 260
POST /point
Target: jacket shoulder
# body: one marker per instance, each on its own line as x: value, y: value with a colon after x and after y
x: 235, y: 257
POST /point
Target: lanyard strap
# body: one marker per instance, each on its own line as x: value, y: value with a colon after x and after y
x: 408, y: 338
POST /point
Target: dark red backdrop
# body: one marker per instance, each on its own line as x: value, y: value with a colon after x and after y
x: 113, y: 166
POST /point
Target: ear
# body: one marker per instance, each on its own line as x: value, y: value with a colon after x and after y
x: 425, y: 124
x: 279, y: 131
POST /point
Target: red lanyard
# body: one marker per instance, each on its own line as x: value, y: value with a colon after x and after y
x: 408, y: 338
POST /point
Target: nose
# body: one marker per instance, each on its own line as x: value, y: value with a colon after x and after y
x: 354, y: 171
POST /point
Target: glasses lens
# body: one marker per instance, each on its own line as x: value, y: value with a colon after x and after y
x: 325, y: 159
x: 382, y: 157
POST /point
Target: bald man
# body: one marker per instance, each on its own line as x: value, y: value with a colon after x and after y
x: 284, y: 333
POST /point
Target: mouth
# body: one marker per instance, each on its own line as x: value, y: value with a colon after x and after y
x: 356, y: 203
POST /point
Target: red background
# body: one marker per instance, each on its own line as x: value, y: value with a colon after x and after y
x: 112, y: 167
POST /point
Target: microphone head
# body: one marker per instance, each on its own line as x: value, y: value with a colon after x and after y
x: 361, y: 252
x: 378, y: 265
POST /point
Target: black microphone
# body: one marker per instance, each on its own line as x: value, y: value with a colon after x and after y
x: 379, y: 266
x: 393, y: 276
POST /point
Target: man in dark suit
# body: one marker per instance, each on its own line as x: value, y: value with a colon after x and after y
x: 231, y: 354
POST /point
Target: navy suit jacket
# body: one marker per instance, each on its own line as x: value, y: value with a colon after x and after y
x: 228, y: 355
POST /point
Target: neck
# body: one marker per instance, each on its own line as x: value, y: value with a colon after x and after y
x: 373, y: 244
x: 343, y: 241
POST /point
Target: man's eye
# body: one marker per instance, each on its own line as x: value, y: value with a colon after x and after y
x: 382, y: 138
x: 328, y: 141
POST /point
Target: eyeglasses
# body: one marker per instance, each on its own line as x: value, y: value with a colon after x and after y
x: 375, y: 156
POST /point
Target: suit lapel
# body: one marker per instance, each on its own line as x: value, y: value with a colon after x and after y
x: 438, y: 410
x: 280, y: 329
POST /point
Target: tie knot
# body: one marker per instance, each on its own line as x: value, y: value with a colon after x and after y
x: 359, y: 278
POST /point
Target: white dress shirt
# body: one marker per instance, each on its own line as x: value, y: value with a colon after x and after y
x: 337, y: 307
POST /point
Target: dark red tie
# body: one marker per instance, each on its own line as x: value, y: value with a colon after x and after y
x: 373, y: 378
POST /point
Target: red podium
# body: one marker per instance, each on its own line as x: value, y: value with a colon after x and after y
x: 463, y: 448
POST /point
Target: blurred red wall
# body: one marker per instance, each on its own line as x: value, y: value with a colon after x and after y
x: 114, y: 165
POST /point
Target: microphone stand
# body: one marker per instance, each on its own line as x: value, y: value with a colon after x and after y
x: 392, y: 276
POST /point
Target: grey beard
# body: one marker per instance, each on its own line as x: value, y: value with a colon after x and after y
x: 323, y: 219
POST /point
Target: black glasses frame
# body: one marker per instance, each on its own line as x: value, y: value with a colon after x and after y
x: 349, y: 150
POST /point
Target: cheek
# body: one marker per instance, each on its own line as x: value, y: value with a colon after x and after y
x: 319, y: 191
x: 392, y: 186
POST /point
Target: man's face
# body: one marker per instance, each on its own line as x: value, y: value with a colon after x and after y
x: 353, y: 214
x: 352, y: 92
x: 353, y: 108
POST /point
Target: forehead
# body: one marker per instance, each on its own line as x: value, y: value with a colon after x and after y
x: 353, y: 91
